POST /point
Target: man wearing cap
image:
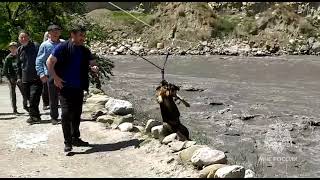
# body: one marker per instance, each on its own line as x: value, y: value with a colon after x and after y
x: 32, y: 85
x: 54, y: 32
x: 10, y: 72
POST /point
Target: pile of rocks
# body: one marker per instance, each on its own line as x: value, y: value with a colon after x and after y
x: 232, y: 47
x: 118, y: 114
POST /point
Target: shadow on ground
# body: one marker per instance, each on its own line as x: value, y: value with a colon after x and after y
x: 109, y: 147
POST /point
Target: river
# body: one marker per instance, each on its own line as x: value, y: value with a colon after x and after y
x: 256, y: 109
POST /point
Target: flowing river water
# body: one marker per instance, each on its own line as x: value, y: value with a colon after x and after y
x: 262, y: 111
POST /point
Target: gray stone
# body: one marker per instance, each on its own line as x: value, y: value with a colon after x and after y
x: 209, y: 171
x: 138, y: 129
x: 122, y: 119
x: 160, y: 131
x: 160, y: 45
x: 249, y: 174
x: 207, y: 156
x: 170, y: 138
x: 311, y: 40
x: 150, y: 124
x: 156, y: 131
x: 106, y: 119
x: 97, y: 99
x: 121, y: 49
x: 316, y: 47
x: 125, y: 127
x: 113, y: 48
x: 119, y: 107
x: 176, y: 146
x: 233, y: 171
x: 188, y: 144
x: 186, y: 154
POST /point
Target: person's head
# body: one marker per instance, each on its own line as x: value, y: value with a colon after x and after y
x: 78, y: 35
x: 13, y: 46
x: 54, y: 32
x: 24, y: 37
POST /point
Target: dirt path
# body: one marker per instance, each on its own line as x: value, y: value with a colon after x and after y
x: 37, y: 150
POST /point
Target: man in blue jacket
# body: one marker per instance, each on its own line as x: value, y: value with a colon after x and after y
x: 69, y: 65
x: 46, y: 48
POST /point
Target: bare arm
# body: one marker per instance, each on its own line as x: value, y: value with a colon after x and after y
x: 51, y: 62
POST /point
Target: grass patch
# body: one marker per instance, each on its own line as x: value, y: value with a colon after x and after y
x: 125, y: 18
x: 225, y: 25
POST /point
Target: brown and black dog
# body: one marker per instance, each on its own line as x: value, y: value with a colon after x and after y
x: 166, y: 95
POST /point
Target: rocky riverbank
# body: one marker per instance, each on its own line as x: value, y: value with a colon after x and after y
x: 119, y: 114
x: 233, y: 47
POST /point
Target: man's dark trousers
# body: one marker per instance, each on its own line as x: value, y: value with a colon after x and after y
x: 45, y: 95
x: 33, y: 91
x: 53, y: 99
x: 12, y: 86
x: 71, y: 100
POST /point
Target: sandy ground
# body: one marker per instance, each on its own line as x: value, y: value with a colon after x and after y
x: 37, y: 150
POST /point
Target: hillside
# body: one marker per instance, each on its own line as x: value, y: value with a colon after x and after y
x: 216, y: 28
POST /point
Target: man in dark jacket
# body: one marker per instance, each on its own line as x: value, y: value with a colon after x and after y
x: 10, y: 72
x: 32, y: 85
x: 69, y: 65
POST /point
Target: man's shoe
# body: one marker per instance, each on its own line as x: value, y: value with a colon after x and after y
x: 33, y: 120
x: 67, y: 148
x: 46, y: 108
x: 79, y: 142
x: 54, y: 121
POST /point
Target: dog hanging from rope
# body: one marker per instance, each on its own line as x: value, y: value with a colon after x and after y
x: 166, y: 95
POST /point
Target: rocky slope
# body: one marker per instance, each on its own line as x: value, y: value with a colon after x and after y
x: 249, y: 29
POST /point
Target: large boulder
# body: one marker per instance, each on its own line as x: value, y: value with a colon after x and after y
x: 186, y: 154
x: 207, y: 156
x: 125, y: 127
x: 204, y: 173
x: 119, y: 107
x: 233, y: 171
x: 150, y: 124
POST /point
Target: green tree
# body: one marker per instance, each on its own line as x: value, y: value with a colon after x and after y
x: 33, y: 17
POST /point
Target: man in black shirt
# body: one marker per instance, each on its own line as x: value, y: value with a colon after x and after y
x: 69, y: 65
x: 27, y: 73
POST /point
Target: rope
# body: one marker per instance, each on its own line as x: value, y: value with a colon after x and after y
x: 172, y: 41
